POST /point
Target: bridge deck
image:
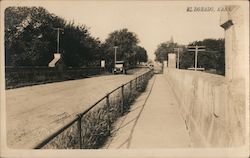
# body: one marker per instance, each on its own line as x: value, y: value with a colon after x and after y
x: 154, y: 121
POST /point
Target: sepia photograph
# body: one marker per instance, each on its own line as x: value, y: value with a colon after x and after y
x: 125, y: 78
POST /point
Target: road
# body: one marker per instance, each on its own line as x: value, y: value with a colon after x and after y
x: 35, y: 112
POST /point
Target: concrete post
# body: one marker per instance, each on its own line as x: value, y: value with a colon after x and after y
x: 165, y: 63
x: 171, y: 60
x: 233, y: 22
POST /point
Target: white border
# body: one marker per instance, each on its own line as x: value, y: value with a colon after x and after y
x: 177, y: 152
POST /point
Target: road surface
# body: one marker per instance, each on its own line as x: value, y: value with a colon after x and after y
x: 35, y: 112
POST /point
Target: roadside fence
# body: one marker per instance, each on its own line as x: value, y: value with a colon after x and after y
x: 21, y: 76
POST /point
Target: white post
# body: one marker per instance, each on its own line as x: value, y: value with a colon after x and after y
x: 178, y: 58
x: 115, y: 54
x: 58, y: 40
x: 196, y: 57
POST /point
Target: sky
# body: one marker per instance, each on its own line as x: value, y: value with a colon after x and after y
x: 153, y: 22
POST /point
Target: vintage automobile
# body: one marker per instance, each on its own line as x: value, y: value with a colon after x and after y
x: 119, y: 68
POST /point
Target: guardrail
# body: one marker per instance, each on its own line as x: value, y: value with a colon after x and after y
x: 90, y: 128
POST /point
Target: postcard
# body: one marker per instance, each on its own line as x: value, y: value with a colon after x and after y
x: 138, y: 78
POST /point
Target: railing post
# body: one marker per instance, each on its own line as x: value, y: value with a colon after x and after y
x: 136, y: 83
x: 122, y: 105
x: 130, y: 87
x: 108, y: 105
x: 79, y: 123
x: 139, y: 84
x: 143, y: 78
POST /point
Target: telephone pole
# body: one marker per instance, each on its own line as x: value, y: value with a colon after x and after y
x: 178, y: 56
x: 58, y: 37
x: 115, y: 54
x: 196, y: 49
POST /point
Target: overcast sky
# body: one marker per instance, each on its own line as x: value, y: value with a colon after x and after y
x: 154, y: 22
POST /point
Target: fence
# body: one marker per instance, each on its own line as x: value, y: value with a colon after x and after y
x: 25, y: 76
x: 90, y: 128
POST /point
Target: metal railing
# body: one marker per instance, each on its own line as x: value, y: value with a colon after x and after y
x: 91, y: 127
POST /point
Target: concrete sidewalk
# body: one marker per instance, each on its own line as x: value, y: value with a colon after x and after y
x: 154, y: 121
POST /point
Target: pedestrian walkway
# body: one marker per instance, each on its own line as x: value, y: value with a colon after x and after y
x: 154, y: 121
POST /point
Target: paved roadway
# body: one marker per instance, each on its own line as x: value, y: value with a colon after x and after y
x: 34, y: 112
x: 154, y: 121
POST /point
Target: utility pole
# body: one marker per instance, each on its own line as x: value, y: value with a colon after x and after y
x: 115, y: 54
x: 196, y: 49
x: 178, y: 56
x: 58, y: 37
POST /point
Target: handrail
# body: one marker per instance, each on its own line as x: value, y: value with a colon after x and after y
x: 53, y: 135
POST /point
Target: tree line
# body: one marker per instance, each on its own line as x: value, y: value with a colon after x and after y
x: 31, y: 40
x: 213, y: 58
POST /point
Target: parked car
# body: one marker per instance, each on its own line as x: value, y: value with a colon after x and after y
x: 119, y: 68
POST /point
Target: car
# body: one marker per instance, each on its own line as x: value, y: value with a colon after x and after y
x: 119, y: 68
x: 151, y: 66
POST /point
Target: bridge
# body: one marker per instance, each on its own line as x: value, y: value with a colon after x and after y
x: 180, y: 108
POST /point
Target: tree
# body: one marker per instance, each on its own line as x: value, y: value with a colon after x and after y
x: 141, y: 54
x: 29, y: 36
x: 186, y: 59
x: 75, y: 45
x: 164, y: 49
x: 212, y: 58
x: 126, y: 42
x: 30, y: 39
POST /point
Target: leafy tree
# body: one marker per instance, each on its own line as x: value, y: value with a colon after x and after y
x: 29, y: 36
x: 186, y: 59
x: 212, y: 58
x: 164, y: 49
x: 141, y: 54
x: 31, y: 40
x: 126, y: 42
x: 73, y: 47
